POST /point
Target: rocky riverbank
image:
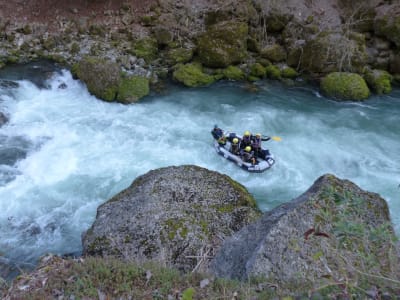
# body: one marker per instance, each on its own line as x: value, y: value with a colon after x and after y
x: 333, y: 240
x: 199, y: 42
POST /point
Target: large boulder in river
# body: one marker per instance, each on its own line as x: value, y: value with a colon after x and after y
x: 345, y: 86
x: 335, y: 232
x: 175, y: 215
x: 105, y: 80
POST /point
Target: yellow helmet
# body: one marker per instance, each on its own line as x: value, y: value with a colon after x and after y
x: 247, y: 133
x: 235, y: 140
x: 258, y: 135
x: 247, y: 149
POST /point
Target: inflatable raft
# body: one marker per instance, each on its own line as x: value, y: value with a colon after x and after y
x: 263, y: 163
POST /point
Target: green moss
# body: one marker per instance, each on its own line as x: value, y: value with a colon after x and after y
x: 274, y: 53
x: 245, y: 198
x: 223, y: 44
x: 388, y: 26
x: 233, y: 73
x: 98, y: 244
x: 192, y: 75
x: 179, y: 55
x: 379, y: 81
x: 345, y: 86
x: 133, y: 88
x: 289, y: 73
x: 174, y: 227
x: 146, y: 48
x: 75, y: 48
x: 98, y: 30
x: 273, y: 72
x: 257, y: 70
x: 101, y: 77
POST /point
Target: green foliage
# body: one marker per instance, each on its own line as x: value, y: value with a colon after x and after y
x: 192, y: 75
x: 345, y: 86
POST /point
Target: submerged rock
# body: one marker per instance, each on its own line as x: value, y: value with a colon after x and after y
x: 334, y: 230
x: 3, y: 119
x: 175, y: 215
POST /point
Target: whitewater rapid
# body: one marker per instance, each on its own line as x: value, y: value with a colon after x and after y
x: 64, y: 152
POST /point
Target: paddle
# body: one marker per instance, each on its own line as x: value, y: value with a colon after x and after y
x: 275, y: 138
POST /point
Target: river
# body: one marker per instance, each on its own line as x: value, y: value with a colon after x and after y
x: 64, y: 152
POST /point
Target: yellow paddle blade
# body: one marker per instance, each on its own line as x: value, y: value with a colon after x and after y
x: 276, y: 138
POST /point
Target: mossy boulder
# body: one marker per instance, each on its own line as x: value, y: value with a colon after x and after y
x: 223, y: 44
x: 102, y: 77
x: 179, y: 55
x: 162, y: 35
x: 146, y: 48
x: 276, y: 23
x: 274, y: 53
x: 331, y: 51
x: 171, y: 215
x: 388, y: 25
x: 192, y: 75
x: 233, y: 73
x: 345, y: 86
x: 132, y: 88
x: 273, y: 72
x: 379, y: 81
x: 335, y: 230
x: 288, y: 72
x: 257, y: 70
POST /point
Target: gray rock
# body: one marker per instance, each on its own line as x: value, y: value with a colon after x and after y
x: 175, y: 215
x: 327, y: 232
x: 3, y: 119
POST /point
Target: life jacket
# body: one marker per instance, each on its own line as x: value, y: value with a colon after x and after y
x: 246, y: 141
x: 235, y: 148
x: 256, y: 143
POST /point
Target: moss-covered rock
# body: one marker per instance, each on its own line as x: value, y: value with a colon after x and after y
x: 388, y: 25
x: 102, y: 77
x: 163, y: 35
x: 233, y: 73
x: 330, y: 52
x: 132, y: 89
x: 257, y: 70
x: 179, y: 55
x: 146, y: 48
x: 273, y: 72
x: 276, y: 22
x: 223, y: 44
x: 189, y: 208
x: 192, y: 75
x: 333, y: 230
x: 345, y: 86
x: 275, y: 53
x: 288, y: 72
x: 379, y: 81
